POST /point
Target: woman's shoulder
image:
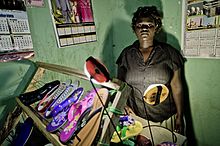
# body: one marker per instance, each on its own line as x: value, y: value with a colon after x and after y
x: 168, y: 48
x: 128, y: 48
x: 164, y: 45
x: 127, y: 51
x: 173, y: 53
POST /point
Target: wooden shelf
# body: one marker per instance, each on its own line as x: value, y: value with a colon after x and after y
x: 118, y: 102
x: 53, y: 138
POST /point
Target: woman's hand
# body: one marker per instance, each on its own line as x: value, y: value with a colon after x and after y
x: 179, y: 126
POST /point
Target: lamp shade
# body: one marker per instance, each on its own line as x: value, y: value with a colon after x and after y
x: 96, y: 71
x: 155, y: 94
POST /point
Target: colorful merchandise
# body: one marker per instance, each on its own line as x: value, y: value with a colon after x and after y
x: 74, y: 97
x: 128, y: 128
x: 47, y: 100
x: 88, y: 129
x: 75, y: 113
x: 65, y: 95
x: 36, y: 95
x: 58, y: 121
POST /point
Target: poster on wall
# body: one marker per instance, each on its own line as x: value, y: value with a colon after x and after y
x: 73, y: 22
x: 15, y: 35
x: 202, y: 29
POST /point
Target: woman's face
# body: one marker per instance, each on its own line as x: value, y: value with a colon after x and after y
x: 145, y: 29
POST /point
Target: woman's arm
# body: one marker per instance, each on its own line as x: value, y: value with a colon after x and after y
x: 177, y: 90
x: 121, y: 73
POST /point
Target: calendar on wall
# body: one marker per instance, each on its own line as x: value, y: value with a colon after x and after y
x: 201, y: 29
x: 15, y: 35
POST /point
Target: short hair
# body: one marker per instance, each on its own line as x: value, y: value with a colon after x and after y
x: 147, y: 12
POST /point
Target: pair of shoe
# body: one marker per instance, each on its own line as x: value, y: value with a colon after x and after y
x: 51, y: 97
x: 76, y: 114
x: 36, y: 95
x: 72, y: 91
x: 83, y: 118
x: 68, y: 102
x: 54, y: 97
x: 88, y: 129
x: 60, y: 112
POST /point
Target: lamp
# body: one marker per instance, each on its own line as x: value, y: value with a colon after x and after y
x: 155, y: 94
x: 98, y: 74
x: 96, y: 71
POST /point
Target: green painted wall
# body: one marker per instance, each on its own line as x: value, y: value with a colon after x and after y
x: 112, y: 18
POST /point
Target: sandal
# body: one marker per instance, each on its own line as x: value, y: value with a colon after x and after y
x: 58, y: 121
x: 66, y: 94
x: 87, y: 129
x: 128, y: 128
x: 47, y: 100
x: 60, y: 112
x: 68, y: 102
x: 75, y: 113
x: 31, y: 97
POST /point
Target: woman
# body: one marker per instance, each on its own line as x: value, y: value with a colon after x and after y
x: 147, y: 62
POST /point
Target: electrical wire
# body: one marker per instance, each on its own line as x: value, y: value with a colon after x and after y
x: 147, y: 116
x: 105, y: 109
